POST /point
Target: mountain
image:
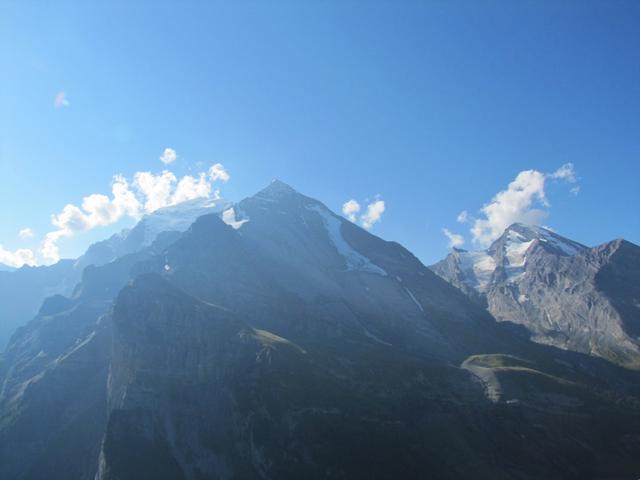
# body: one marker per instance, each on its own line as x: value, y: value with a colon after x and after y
x: 174, y: 218
x: 6, y: 268
x: 290, y: 343
x: 23, y: 290
x: 564, y: 293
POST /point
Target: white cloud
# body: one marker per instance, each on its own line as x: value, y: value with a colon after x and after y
x: 25, y: 233
x: 49, y: 248
x: 217, y: 172
x: 157, y: 189
x: 123, y: 198
x: 575, y: 190
x: 373, y: 214
x: 565, y: 172
x: 370, y: 217
x: 350, y: 209
x: 463, y: 217
x: 189, y: 188
x: 455, y: 239
x: 164, y: 189
x: 168, y: 156
x: 515, y: 204
x: 96, y: 210
x: 60, y: 100
x: 523, y: 201
x: 17, y: 258
x: 147, y: 193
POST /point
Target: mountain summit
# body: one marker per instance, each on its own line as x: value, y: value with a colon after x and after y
x: 277, y: 188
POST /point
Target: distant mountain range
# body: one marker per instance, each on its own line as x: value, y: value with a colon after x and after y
x: 565, y: 294
x: 273, y: 339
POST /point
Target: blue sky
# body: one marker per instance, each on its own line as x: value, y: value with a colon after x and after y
x: 431, y: 107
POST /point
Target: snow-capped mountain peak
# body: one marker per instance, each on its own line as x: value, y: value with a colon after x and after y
x: 178, y: 217
x: 174, y: 218
x: 566, y: 294
x: 506, y: 258
x: 518, y: 234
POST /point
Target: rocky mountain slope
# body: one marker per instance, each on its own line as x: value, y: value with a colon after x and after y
x: 290, y: 343
x: 565, y: 294
x: 23, y: 290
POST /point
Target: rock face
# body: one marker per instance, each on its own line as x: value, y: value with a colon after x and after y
x: 284, y: 342
x: 53, y: 378
x: 565, y: 294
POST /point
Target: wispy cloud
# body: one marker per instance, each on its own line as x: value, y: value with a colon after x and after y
x: 463, y: 217
x: 25, y: 233
x: 565, y: 172
x: 168, y: 156
x: 455, y: 239
x: 60, y: 100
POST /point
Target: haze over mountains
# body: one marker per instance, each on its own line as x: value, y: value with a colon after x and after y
x: 23, y: 290
x: 275, y: 339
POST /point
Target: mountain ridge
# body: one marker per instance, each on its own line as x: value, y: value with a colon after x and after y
x: 297, y: 345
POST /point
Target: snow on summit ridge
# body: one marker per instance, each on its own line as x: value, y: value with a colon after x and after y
x: 179, y: 217
x: 507, y: 256
x: 554, y: 243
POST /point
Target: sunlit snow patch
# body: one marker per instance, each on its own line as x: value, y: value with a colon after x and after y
x: 354, y: 260
x: 478, y: 268
x: 179, y: 217
x: 547, y: 236
x: 515, y: 251
x: 229, y: 217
